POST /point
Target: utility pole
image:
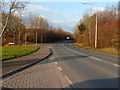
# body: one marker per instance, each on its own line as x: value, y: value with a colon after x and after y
x: 25, y: 38
x: 45, y: 37
x: 74, y: 37
x: 41, y: 39
x: 19, y: 39
x: 14, y: 39
x: 36, y: 37
x: 96, y: 29
x: 96, y: 33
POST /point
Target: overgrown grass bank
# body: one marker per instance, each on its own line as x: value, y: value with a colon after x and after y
x: 103, y: 50
x: 9, y: 52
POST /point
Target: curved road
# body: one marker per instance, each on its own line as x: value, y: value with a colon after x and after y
x: 86, y: 68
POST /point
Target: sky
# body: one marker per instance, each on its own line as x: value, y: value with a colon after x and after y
x: 64, y: 14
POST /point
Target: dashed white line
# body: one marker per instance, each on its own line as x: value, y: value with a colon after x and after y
x: 49, y: 46
x: 56, y: 63
x: 51, y: 58
x: 116, y: 65
x: 75, y: 51
x: 60, y: 68
x: 69, y: 81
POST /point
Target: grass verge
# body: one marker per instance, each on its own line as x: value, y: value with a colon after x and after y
x: 10, y: 52
x: 103, y: 50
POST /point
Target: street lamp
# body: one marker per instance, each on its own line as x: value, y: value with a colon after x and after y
x: 96, y: 29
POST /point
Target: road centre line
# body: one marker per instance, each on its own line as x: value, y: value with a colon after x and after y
x: 60, y: 68
x: 92, y: 57
x: 51, y: 58
x: 56, y: 63
x: 69, y: 81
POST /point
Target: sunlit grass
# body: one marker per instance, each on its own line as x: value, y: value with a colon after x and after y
x: 9, y: 52
x: 103, y: 50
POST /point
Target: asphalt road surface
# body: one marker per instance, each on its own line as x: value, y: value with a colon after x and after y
x: 86, y: 68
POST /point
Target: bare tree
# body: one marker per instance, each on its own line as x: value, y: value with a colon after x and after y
x: 14, y: 5
x: 40, y: 25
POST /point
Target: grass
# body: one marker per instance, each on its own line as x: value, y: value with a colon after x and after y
x: 9, y: 52
x: 102, y: 50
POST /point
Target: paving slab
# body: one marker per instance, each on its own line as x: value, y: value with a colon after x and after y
x: 45, y: 74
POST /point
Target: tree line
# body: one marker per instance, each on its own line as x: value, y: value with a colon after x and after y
x: 107, y: 27
x: 30, y: 29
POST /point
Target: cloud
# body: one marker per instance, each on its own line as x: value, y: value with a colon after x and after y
x: 68, y: 23
x: 39, y: 9
x: 72, y: 20
x: 65, y: 27
x: 98, y: 9
x: 55, y: 18
x: 93, y: 10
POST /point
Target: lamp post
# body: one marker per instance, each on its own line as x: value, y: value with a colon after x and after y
x: 96, y: 28
x: 96, y: 33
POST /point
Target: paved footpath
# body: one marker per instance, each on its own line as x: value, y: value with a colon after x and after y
x: 13, y: 64
x: 45, y: 74
x: 42, y: 75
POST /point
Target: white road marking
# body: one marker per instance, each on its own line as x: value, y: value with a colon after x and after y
x: 60, y: 68
x: 75, y: 51
x: 95, y: 58
x: 116, y: 65
x: 49, y: 46
x: 92, y: 57
x: 69, y: 81
x: 51, y: 58
x: 56, y: 63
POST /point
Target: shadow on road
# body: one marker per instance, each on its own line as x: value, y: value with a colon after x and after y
x: 65, y: 42
x: 70, y: 58
x: 67, y: 58
x: 98, y: 84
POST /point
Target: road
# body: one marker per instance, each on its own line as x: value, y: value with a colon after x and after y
x: 86, y: 68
